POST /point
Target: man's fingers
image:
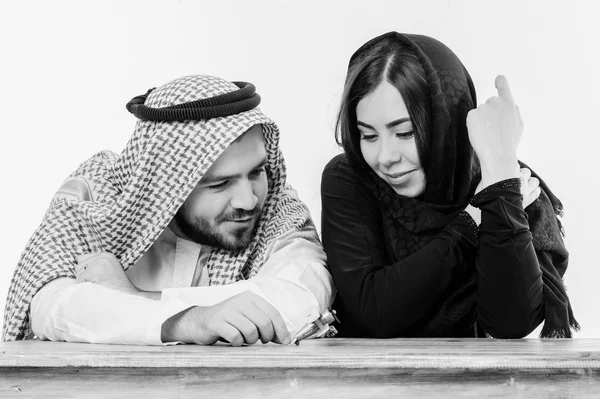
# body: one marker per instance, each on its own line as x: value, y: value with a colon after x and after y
x: 281, y: 331
x: 503, y: 88
x: 80, y: 271
x: 263, y: 323
x: 89, y: 267
x: 86, y: 273
x: 253, y: 317
x: 245, y: 326
x: 229, y: 333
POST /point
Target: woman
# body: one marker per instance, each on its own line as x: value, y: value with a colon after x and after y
x: 423, y: 237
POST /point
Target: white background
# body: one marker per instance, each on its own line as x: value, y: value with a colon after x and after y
x: 68, y: 68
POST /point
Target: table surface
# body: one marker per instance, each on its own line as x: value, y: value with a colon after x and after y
x: 336, y: 353
x: 348, y: 368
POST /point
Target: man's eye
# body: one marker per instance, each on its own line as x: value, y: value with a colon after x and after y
x: 258, y: 172
x: 218, y: 185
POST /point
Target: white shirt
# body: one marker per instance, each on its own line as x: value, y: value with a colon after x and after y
x: 294, y: 279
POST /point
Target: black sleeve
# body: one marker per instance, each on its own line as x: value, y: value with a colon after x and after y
x: 383, y: 299
x: 509, y: 279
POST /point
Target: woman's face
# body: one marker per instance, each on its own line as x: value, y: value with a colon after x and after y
x: 387, y: 141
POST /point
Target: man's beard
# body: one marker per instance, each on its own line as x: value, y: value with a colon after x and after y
x: 203, y: 232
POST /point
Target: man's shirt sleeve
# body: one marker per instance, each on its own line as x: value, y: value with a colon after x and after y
x: 64, y: 310
x: 294, y: 279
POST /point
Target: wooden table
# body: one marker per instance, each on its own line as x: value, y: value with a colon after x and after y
x: 349, y: 368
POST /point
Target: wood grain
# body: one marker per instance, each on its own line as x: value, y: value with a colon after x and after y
x: 291, y: 383
x: 339, y: 353
x: 349, y: 368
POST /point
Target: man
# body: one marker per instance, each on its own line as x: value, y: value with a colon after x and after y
x: 191, y: 234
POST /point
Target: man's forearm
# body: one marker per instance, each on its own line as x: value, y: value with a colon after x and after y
x: 88, y: 312
x: 179, y: 327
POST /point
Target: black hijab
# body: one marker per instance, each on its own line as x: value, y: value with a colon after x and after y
x: 452, y: 171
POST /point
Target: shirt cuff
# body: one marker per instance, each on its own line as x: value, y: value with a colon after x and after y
x: 471, y: 222
x: 496, y: 189
x: 166, y: 310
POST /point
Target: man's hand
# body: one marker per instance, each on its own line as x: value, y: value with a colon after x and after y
x: 242, y: 319
x: 495, y: 130
x: 106, y: 270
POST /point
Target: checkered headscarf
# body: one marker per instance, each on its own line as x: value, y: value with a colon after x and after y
x: 129, y: 198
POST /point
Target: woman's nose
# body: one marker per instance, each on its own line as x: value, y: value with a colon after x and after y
x: 389, y: 153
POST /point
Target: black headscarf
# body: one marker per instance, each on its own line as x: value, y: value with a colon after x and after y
x: 452, y: 171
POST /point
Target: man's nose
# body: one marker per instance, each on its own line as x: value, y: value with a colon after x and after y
x: 244, y: 197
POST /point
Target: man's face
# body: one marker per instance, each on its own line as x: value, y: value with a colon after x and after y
x: 224, y: 208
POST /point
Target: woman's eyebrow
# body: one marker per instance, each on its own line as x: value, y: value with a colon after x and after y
x: 359, y: 123
x: 397, y: 122
x: 389, y: 125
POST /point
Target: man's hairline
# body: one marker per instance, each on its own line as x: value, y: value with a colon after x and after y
x: 264, y: 160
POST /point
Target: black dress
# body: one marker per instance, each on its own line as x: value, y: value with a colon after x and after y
x: 381, y: 297
x: 417, y: 266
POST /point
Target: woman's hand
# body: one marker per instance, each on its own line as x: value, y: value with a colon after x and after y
x: 530, y: 187
x: 475, y: 213
x: 495, y: 130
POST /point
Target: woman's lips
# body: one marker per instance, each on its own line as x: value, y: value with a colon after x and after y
x: 395, y: 175
x: 398, y: 178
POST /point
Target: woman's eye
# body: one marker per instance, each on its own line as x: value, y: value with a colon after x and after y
x: 405, y: 135
x: 368, y: 137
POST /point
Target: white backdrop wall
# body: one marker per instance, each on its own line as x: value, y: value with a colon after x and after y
x: 69, y: 67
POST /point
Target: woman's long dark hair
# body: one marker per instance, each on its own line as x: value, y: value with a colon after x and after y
x: 392, y: 61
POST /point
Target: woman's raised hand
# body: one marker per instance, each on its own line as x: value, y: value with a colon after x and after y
x: 530, y: 187
x: 495, y: 130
